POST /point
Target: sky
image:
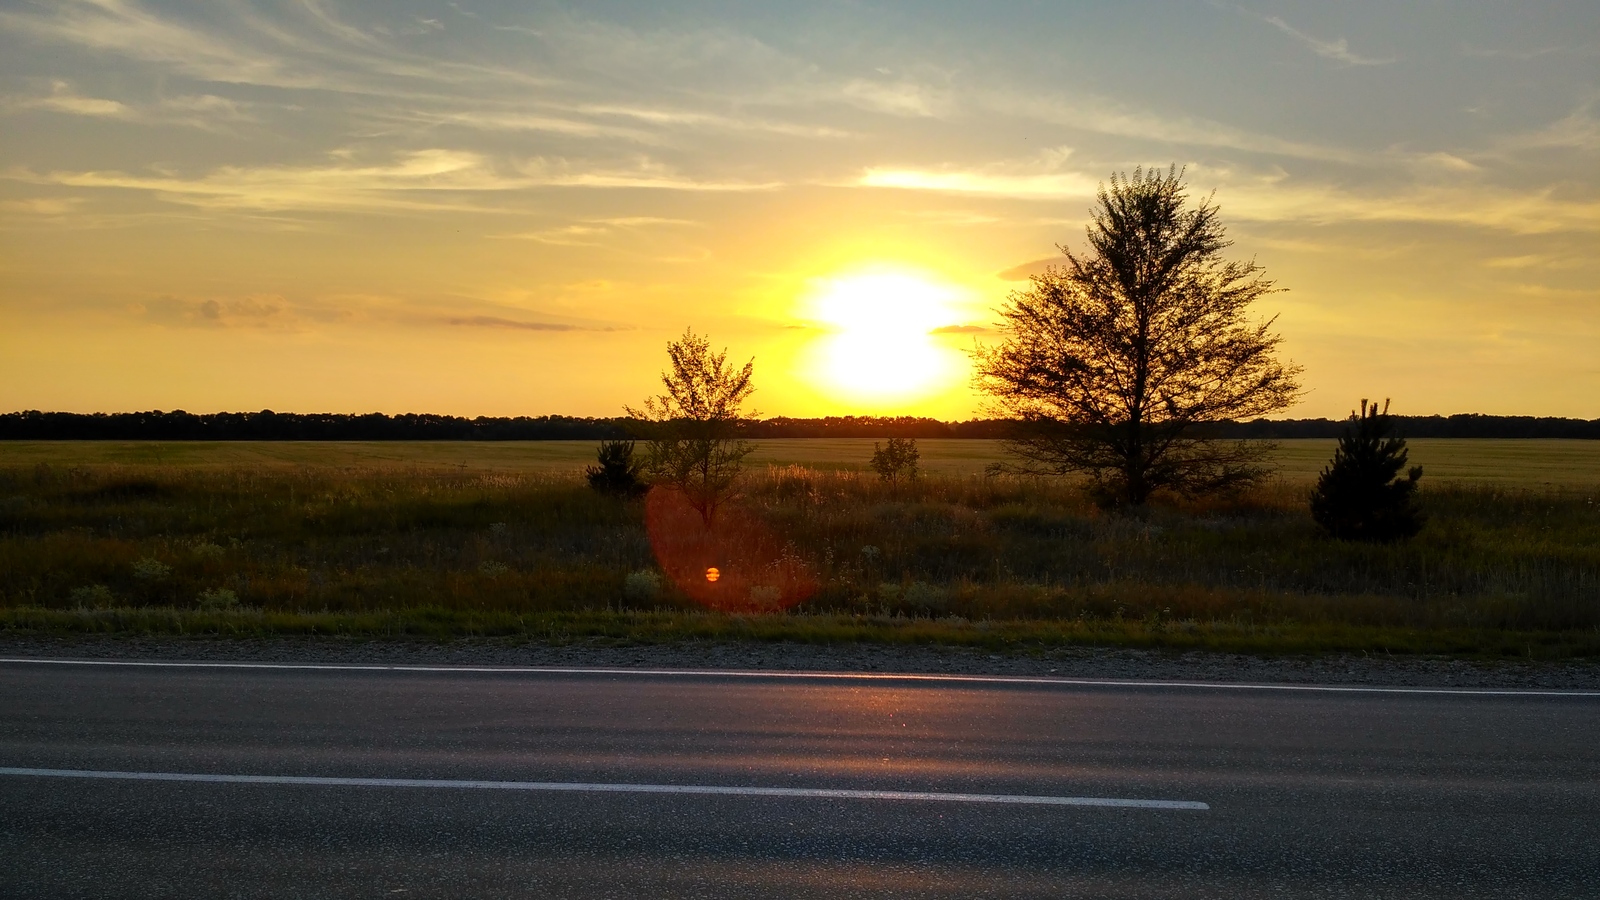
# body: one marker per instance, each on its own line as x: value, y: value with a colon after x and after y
x: 497, y: 208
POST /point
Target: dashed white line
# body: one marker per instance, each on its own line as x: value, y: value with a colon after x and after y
x: 611, y: 788
x: 801, y: 676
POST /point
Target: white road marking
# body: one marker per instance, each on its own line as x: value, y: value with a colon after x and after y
x: 799, y: 676
x: 611, y: 788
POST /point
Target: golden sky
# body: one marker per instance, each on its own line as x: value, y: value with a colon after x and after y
x: 508, y: 208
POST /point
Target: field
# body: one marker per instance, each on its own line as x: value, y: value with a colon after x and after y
x: 434, y: 539
x: 1507, y: 462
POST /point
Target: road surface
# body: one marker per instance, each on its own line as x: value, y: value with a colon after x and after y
x: 245, y: 781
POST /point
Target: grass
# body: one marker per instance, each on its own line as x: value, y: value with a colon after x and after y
x: 1511, y: 462
x: 392, y: 548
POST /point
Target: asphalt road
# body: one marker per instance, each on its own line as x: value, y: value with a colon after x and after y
x: 1307, y: 793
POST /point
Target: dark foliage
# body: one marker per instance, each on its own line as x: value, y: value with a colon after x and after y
x: 899, y: 460
x: 1361, y: 496
x: 617, y: 472
x: 695, y: 429
x: 1111, y: 360
x: 155, y: 425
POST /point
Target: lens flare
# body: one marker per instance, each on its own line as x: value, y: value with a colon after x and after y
x: 734, y: 564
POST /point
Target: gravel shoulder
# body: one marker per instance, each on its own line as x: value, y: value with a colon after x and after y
x: 1078, y: 662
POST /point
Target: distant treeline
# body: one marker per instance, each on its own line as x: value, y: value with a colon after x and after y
x: 275, y: 426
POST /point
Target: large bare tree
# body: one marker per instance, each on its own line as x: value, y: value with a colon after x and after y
x: 1112, y: 359
x: 693, y: 428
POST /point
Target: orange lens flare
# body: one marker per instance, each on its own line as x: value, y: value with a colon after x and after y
x: 734, y: 564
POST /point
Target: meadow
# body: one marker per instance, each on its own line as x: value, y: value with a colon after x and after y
x: 1556, y: 463
x: 449, y: 539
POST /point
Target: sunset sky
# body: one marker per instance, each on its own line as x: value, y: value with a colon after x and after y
x: 504, y: 208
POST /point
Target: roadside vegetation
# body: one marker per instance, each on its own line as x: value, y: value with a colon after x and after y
x: 990, y: 561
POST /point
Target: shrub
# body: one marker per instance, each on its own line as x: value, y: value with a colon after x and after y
x: 642, y: 587
x: 897, y: 460
x: 617, y: 471
x: 217, y: 599
x: 926, y: 598
x: 150, y: 569
x: 95, y: 595
x: 1360, y: 495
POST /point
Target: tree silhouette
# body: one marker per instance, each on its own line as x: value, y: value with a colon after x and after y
x: 617, y: 470
x: 1112, y: 358
x: 693, y: 428
x: 898, y: 460
x: 1360, y: 495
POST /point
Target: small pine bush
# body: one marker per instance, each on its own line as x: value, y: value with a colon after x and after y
x: 1360, y: 495
x: 897, y: 460
x: 617, y: 471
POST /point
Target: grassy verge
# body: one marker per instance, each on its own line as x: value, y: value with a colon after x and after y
x: 624, y: 628
x: 962, y: 560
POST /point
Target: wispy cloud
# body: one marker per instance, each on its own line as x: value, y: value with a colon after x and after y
x: 1105, y: 116
x: 436, y: 179
x: 1051, y: 186
x: 1337, y: 50
x: 589, y: 233
x: 1045, y: 175
x: 204, y: 111
x: 1539, y: 211
x: 521, y: 325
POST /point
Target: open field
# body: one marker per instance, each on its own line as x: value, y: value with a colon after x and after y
x: 1509, y: 462
x: 399, y: 542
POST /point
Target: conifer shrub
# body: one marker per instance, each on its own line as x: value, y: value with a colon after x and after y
x: 1361, y: 495
x: 617, y: 471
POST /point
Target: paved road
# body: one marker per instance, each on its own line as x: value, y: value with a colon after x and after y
x: 1324, y: 794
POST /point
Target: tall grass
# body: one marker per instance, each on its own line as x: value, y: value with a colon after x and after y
x: 254, y: 544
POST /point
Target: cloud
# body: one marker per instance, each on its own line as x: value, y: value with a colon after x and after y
x: 588, y: 232
x: 1104, y: 116
x: 1525, y: 211
x: 435, y: 179
x: 962, y: 329
x: 120, y: 26
x: 644, y: 173
x: 1028, y: 269
x: 1041, y: 176
x: 401, y: 184
x: 265, y: 311
x: 206, y: 111
x: 43, y: 206
x: 980, y: 182
x: 900, y: 98
x: 515, y: 324
x: 1336, y: 50
x: 1579, y: 130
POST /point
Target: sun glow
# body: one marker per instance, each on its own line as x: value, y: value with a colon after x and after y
x: 880, y: 348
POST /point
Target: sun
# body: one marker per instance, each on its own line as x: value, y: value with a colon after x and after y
x: 879, y: 348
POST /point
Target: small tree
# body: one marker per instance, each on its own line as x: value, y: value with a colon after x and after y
x: 693, y: 428
x: 896, y: 461
x: 1360, y: 495
x: 1110, y: 360
x: 617, y: 470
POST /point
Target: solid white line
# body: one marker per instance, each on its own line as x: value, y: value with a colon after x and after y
x: 611, y: 788
x: 801, y: 676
